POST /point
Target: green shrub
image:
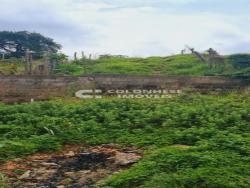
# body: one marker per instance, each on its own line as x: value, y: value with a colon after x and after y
x: 186, y: 139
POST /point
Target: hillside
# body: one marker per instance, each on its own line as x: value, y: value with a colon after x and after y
x: 185, y: 141
x: 238, y: 64
x: 171, y: 65
x: 188, y: 141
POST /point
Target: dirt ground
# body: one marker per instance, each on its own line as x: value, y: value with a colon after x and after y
x: 74, y: 167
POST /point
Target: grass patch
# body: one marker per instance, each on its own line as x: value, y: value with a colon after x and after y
x: 3, y: 181
x: 171, y: 65
x: 236, y: 65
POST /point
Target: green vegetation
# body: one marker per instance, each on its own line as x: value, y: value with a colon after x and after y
x: 172, y: 65
x: 3, y: 181
x: 149, y: 66
x: 189, y: 141
x: 14, y: 44
x: 16, y: 66
x: 236, y: 65
x: 11, y: 67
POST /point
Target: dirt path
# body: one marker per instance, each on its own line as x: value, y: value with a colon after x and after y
x: 74, y: 167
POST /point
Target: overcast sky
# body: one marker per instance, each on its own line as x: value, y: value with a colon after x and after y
x: 134, y: 27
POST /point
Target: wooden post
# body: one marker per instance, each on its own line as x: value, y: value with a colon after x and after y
x: 83, y: 55
x: 3, y: 55
x: 28, y: 62
x: 53, y: 65
x: 47, y: 63
x: 75, y: 56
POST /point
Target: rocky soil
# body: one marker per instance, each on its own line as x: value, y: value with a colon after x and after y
x: 74, y: 167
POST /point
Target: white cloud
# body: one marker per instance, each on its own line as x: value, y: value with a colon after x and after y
x: 131, y: 27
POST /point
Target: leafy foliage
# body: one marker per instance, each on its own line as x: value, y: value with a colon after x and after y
x: 16, y: 43
x: 237, y: 65
x: 58, y: 57
x: 11, y: 66
x: 3, y: 181
x: 189, y: 141
x: 172, y: 65
x: 240, y: 60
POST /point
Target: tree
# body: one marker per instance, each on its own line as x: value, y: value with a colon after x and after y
x: 16, y: 43
x: 59, y: 57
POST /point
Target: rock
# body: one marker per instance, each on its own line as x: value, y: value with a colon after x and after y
x: 26, y: 175
x: 11, y: 165
x: 78, y: 174
x: 69, y: 174
x: 124, y: 159
x: 60, y: 186
x: 70, y: 154
x: 18, y: 160
x: 85, y: 154
x: 84, y: 180
x: 43, y: 173
x: 49, y: 164
x: 82, y: 172
x: 66, y: 181
x: 93, y: 176
x: 28, y: 185
x: 103, y: 150
x: 38, y: 160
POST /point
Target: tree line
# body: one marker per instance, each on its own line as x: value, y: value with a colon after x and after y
x: 15, y: 44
